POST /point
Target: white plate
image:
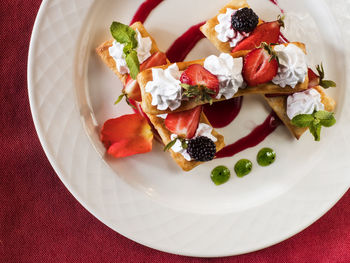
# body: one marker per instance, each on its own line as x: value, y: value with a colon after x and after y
x: 147, y: 198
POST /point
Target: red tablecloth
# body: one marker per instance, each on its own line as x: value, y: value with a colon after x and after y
x: 40, y: 221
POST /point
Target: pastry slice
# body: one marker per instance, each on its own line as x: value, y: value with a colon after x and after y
x: 280, y: 106
x: 189, y: 129
x: 236, y: 27
x: 185, y: 85
x: 111, y: 53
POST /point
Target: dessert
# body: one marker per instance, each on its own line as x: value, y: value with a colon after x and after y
x: 185, y: 85
x: 290, y: 69
x: 131, y: 134
x: 255, y: 59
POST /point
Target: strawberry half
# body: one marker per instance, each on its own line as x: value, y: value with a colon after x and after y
x: 184, y: 123
x: 157, y: 59
x: 198, y: 75
x: 127, y: 135
x: 314, y: 79
x: 131, y: 87
x: 267, y: 32
x: 259, y: 66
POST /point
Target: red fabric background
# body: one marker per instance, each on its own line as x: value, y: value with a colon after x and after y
x: 40, y: 221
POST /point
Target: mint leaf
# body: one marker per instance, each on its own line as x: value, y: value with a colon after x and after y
x: 123, y: 34
x: 326, y: 118
x: 315, y: 122
x: 315, y: 130
x: 323, y: 115
x: 328, y: 123
x: 127, y: 48
x: 303, y: 120
x: 133, y: 63
x: 126, y: 35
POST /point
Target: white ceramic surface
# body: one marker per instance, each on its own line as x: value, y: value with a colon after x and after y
x: 147, y: 198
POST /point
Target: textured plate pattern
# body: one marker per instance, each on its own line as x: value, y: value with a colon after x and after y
x: 129, y: 211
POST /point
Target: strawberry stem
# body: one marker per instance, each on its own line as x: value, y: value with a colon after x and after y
x: 324, y: 83
x: 121, y: 96
x: 280, y: 20
x: 172, y: 143
x: 268, y: 48
x: 199, y: 92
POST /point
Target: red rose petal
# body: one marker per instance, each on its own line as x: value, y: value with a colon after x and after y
x: 127, y: 135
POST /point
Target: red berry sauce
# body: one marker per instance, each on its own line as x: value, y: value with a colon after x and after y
x: 222, y: 113
x: 144, y: 10
x: 252, y: 139
x: 185, y: 43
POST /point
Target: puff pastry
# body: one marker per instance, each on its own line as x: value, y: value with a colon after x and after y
x: 178, y: 158
x: 267, y: 88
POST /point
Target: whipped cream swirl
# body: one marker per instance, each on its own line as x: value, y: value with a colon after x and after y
x: 116, y: 52
x: 143, y: 52
x: 224, y: 29
x: 229, y: 73
x: 292, y: 66
x: 202, y: 130
x: 305, y: 102
x: 165, y: 88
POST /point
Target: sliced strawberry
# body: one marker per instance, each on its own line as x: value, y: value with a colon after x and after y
x: 198, y: 75
x: 314, y: 79
x: 131, y: 87
x: 127, y: 135
x: 157, y: 59
x: 184, y: 123
x: 267, y: 32
x: 258, y: 67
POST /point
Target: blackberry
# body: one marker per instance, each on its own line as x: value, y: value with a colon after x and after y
x: 201, y: 149
x: 244, y: 20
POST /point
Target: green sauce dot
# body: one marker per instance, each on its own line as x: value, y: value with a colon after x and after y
x: 266, y: 156
x: 243, y: 167
x: 220, y: 175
